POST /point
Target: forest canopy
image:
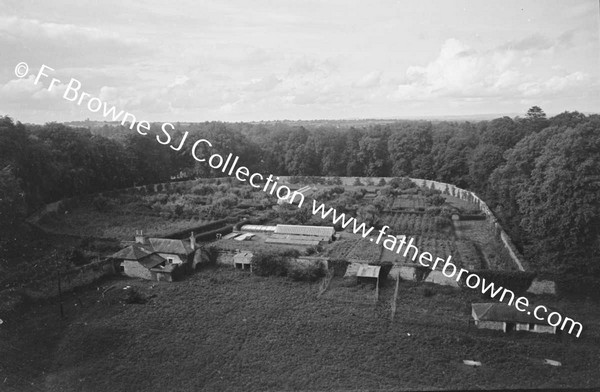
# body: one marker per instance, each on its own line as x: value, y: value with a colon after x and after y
x: 540, y: 175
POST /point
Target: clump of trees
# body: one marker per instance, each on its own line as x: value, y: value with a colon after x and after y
x: 538, y: 174
x: 279, y: 264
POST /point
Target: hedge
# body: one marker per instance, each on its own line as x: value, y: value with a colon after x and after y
x: 210, y: 235
x: 206, y: 227
x: 515, y: 281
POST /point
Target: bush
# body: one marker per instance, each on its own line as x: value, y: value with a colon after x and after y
x: 269, y: 264
x: 435, y: 200
x: 133, y: 296
x: 76, y: 257
x: 426, y: 291
x: 100, y: 203
x: 401, y: 183
x: 382, y: 182
x: 203, y: 190
x: 357, y: 182
x: 311, y: 273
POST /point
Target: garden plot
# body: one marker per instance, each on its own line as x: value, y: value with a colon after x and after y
x: 468, y: 254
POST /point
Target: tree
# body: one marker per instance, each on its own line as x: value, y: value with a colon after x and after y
x: 12, y: 202
x: 535, y: 113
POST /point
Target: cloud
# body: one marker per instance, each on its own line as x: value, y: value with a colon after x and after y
x: 462, y: 73
x: 64, y: 45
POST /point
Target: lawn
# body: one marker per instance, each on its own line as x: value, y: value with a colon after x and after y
x: 223, y: 329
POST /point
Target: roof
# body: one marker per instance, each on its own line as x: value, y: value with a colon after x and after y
x: 242, y: 257
x: 293, y: 241
x: 504, y: 312
x: 258, y: 228
x: 151, y: 261
x: 244, y: 237
x: 132, y: 252
x: 314, y: 231
x: 368, y: 271
x: 169, y: 268
x: 165, y: 245
x: 230, y: 236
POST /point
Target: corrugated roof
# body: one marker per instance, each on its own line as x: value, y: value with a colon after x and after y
x: 132, y: 252
x: 261, y: 228
x: 293, y: 241
x: 244, y: 237
x: 368, y: 271
x: 314, y: 231
x: 504, y: 312
x: 230, y: 236
x: 165, y: 245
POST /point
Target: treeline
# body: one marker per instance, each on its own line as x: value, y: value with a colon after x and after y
x: 540, y: 175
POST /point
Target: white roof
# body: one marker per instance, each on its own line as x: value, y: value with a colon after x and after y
x: 313, y: 231
x: 244, y: 237
x: 260, y: 228
x: 368, y: 271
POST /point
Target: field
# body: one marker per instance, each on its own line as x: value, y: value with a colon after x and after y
x: 119, y: 214
x: 222, y: 329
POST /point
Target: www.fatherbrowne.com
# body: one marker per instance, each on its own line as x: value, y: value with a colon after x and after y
x: 449, y: 269
x: 73, y: 92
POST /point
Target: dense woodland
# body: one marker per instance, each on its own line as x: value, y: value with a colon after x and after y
x: 540, y: 175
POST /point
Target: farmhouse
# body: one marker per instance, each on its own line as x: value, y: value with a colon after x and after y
x: 507, y: 318
x: 157, y: 258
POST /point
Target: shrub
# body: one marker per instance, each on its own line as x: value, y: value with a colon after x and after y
x: 426, y: 291
x: 357, y: 182
x: 435, y: 200
x: 382, y: 182
x: 311, y: 273
x: 76, y: 257
x: 133, y: 296
x: 100, y: 203
x: 268, y: 264
x: 203, y: 190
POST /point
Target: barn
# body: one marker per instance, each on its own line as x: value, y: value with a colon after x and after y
x: 507, y: 318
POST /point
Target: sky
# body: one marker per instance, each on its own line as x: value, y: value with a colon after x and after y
x: 258, y: 60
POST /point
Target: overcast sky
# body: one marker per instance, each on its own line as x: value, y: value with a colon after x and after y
x: 298, y: 59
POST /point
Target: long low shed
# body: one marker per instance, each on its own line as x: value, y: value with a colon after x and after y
x: 312, y: 231
x: 258, y: 228
x: 293, y: 241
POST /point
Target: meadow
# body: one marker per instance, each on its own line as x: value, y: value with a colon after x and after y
x: 222, y: 329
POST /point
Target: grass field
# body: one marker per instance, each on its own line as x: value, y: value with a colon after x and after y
x: 223, y: 329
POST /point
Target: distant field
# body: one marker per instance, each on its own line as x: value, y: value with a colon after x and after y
x: 89, y: 223
x: 229, y: 330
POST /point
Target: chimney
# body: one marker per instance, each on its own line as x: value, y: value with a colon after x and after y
x: 193, y: 241
x: 139, y: 237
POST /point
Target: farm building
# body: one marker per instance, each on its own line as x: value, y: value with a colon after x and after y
x: 507, y: 318
x: 259, y: 228
x: 368, y: 274
x: 307, y: 231
x: 157, y: 258
x: 301, y: 235
x: 242, y: 260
